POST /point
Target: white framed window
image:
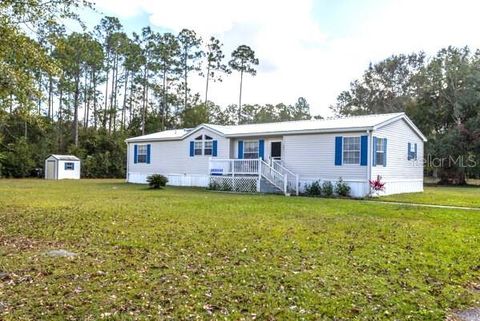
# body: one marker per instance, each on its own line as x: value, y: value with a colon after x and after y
x: 69, y: 166
x: 412, y: 153
x: 198, y: 148
x: 203, y: 145
x: 351, y: 150
x: 251, y: 149
x: 142, y: 153
x: 380, y: 151
x: 208, y: 147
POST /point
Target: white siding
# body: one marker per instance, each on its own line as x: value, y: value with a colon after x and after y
x: 400, y: 174
x: 172, y: 158
x: 313, y: 157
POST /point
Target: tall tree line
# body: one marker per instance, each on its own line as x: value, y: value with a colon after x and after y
x: 441, y: 94
x: 85, y: 92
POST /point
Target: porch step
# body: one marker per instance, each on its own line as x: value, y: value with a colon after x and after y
x: 267, y: 187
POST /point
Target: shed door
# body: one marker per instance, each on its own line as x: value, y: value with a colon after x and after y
x: 51, y: 169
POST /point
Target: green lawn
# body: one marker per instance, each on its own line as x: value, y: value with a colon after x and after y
x: 468, y: 196
x: 189, y: 254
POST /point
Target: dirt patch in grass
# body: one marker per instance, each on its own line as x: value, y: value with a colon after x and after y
x: 14, y: 244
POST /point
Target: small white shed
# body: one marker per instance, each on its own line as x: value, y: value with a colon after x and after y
x: 62, y: 167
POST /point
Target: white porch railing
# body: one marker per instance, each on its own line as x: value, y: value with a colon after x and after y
x: 233, y: 166
x: 273, y: 176
x: 255, y: 167
x: 291, y: 178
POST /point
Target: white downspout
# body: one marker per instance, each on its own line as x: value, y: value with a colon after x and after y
x: 369, y: 158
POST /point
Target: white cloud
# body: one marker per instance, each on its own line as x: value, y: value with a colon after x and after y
x: 296, y: 57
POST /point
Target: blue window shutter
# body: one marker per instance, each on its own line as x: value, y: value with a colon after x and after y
x: 338, y: 150
x: 415, y: 152
x: 135, y: 153
x: 214, y: 148
x: 240, y: 149
x: 261, y: 148
x: 192, y: 148
x: 374, y: 158
x: 409, y: 154
x: 384, y: 152
x: 363, y: 150
x: 148, y: 153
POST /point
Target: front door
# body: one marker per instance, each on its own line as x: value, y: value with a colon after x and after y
x: 276, y: 150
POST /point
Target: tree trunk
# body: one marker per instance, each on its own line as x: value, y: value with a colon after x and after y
x: 130, y: 111
x: 11, y: 103
x: 124, y: 101
x: 94, y: 100
x: 75, y: 110
x: 185, y: 80
x: 240, y: 98
x: 50, y: 100
x: 112, y: 93
x: 144, y: 107
x: 85, y: 94
x: 89, y: 96
x: 104, y: 120
x: 164, y: 100
x: 206, y: 86
x: 115, y: 101
x: 39, y: 102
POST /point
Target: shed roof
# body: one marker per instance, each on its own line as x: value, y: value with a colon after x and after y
x: 354, y: 123
x: 64, y: 157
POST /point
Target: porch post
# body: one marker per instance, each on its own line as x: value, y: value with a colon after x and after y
x: 259, y: 175
x: 285, y: 181
x: 296, y: 183
x: 233, y: 175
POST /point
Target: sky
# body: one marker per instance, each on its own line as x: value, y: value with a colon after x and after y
x: 306, y: 48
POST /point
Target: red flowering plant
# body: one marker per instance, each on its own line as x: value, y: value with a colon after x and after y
x: 376, y: 185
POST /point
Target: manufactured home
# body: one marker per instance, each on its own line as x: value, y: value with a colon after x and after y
x: 62, y: 167
x: 285, y: 156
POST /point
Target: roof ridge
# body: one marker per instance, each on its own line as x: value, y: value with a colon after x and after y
x: 308, y: 120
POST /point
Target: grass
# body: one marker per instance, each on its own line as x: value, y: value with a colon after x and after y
x: 467, y: 196
x: 190, y: 254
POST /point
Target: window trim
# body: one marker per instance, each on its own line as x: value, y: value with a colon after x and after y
x: 69, y: 163
x: 139, y: 147
x: 195, y: 148
x: 359, y: 150
x: 257, y: 142
x: 382, y: 145
x: 210, y: 142
x: 200, y: 144
x: 412, y: 153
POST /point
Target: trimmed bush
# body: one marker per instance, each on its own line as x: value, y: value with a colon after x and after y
x: 327, y: 189
x: 157, y: 181
x: 342, y: 188
x: 314, y: 189
x: 214, y: 186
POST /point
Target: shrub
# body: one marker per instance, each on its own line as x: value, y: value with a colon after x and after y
x: 376, y: 185
x: 327, y: 189
x: 157, y: 181
x: 313, y: 189
x: 342, y: 188
x: 214, y: 186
